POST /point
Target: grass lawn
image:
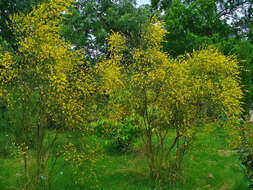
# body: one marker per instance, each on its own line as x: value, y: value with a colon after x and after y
x: 209, y: 165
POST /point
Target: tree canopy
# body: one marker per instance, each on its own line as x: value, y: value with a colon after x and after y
x: 92, y: 22
x: 8, y: 8
x: 225, y: 24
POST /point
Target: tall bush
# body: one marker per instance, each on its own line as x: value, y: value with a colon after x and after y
x: 44, y: 81
x: 170, y: 98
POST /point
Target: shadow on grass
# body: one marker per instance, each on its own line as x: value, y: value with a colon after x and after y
x: 126, y: 179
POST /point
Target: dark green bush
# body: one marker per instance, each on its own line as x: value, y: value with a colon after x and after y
x: 118, y: 135
x: 244, y: 52
x: 246, y: 151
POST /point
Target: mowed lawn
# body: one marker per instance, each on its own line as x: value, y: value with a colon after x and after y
x: 210, y: 164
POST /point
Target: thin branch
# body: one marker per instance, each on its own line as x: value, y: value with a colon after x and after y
x: 173, y: 145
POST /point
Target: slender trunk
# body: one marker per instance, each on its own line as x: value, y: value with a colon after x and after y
x: 25, y: 170
x: 150, y: 152
x: 38, y: 155
x: 23, y: 140
x: 172, y: 146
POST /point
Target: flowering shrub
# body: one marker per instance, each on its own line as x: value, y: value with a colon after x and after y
x: 119, y: 136
x: 44, y: 77
x: 170, y: 98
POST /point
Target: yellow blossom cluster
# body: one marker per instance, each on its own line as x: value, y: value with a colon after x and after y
x: 171, y: 94
x: 48, y: 82
x: 180, y: 90
x: 110, y: 70
x: 46, y: 65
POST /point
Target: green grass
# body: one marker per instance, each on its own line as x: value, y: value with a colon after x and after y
x: 209, y: 165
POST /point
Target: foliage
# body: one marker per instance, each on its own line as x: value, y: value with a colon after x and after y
x: 136, y: 88
x: 44, y: 80
x: 167, y: 94
x: 7, y: 8
x: 246, y: 151
x: 237, y: 13
x: 92, y: 21
x: 81, y: 155
x: 197, y: 24
x: 244, y: 52
x: 119, y: 136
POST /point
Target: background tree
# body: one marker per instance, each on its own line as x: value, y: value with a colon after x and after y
x: 92, y: 21
x: 8, y: 8
x: 196, y: 23
x: 238, y: 12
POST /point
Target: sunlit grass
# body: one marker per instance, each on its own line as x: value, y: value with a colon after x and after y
x: 209, y: 165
